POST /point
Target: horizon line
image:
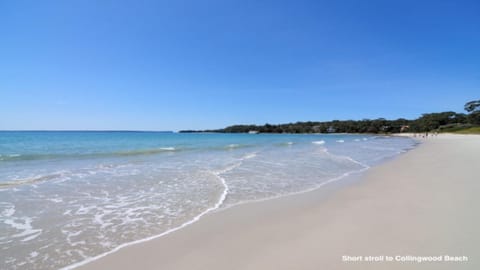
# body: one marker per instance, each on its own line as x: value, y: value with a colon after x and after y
x: 86, y: 130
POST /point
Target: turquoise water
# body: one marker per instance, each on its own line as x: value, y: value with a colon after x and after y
x: 67, y: 197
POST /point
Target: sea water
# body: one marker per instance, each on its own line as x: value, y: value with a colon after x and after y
x: 69, y: 197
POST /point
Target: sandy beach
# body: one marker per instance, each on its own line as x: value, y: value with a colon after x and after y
x: 422, y: 203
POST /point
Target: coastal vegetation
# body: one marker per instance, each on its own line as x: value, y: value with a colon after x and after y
x: 429, y: 122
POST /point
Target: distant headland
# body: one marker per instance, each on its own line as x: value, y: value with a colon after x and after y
x: 429, y: 122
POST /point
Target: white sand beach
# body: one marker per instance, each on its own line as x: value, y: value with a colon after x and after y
x: 422, y: 203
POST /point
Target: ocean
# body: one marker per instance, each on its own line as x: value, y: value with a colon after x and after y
x: 70, y: 197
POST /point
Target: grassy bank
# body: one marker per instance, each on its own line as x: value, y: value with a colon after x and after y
x: 471, y: 130
x: 460, y: 129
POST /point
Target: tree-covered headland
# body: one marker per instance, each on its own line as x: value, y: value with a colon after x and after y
x: 430, y: 122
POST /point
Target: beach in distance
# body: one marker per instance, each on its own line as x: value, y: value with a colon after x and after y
x: 416, y: 211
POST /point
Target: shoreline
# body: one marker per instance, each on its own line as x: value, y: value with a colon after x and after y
x: 201, y: 239
x: 217, y: 208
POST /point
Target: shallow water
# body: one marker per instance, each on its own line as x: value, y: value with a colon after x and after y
x: 69, y: 196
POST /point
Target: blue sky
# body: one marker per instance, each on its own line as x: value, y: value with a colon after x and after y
x: 170, y: 65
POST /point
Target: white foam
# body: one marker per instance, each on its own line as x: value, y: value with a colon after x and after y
x: 334, y: 179
x: 25, y: 227
x: 365, y: 166
x: 249, y: 156
x: 217, y: 205
x: 233, y: 145
x: 33, y: 236
x: 340, y: 141
x: 319, y: 142
x: 8, y: 211
x: 168, y: 148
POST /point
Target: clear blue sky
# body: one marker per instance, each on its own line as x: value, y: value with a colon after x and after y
x: 170, y: 65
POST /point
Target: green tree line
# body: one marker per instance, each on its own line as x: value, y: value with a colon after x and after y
x: 428, y: 122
